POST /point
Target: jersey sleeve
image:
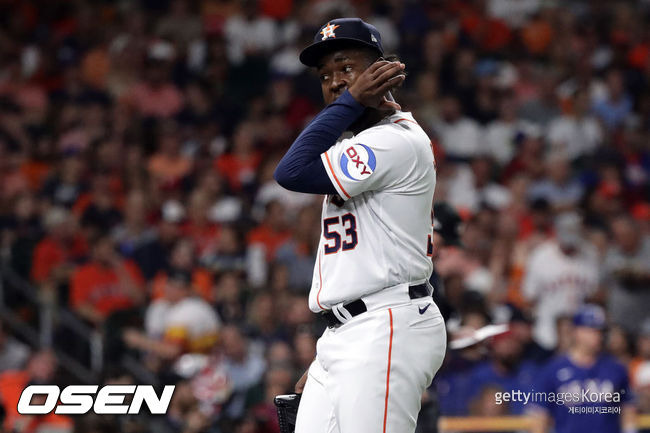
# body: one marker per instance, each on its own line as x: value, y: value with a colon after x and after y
x: 370, y: 161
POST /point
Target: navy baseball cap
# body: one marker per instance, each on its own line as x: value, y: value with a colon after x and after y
x: 339, y: 34
x: 590, y: 316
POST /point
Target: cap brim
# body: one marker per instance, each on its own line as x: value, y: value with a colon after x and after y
x: 311, y: 55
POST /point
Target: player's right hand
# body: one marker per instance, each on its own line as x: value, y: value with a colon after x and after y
x: 373, y: 83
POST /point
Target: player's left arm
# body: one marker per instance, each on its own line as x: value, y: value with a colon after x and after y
x: 300, y: 169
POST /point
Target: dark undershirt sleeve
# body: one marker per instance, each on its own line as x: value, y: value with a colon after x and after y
x: 301, y: 168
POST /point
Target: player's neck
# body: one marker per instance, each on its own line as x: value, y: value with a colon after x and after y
x: 369, y: 117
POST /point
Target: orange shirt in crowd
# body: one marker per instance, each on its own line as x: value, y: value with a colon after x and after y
x: 50, y: 253
x: 12, y: 384
x: 270, y: 238
x: 167, y: 170
x: 237, y: 169
x: 101, y: 288
x: 201, y: 283
x: 36, y: 172
x: 204, y: 236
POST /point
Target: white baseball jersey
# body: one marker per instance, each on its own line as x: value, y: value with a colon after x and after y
x: 558, y: 284
x: 380, y: 236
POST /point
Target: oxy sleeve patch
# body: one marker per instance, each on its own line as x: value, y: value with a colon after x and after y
x: 358, y: 161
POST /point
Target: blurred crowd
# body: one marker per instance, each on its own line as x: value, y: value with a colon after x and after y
x: 137, y: 145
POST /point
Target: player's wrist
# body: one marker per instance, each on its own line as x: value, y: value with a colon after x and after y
x: 348, y: 97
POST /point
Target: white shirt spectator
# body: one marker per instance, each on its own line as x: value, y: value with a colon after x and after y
x: 191, y: 322
x: 243, y: 36
x: 13, y: 353
x: 514, y: 12
x: 462, y: 192
x: 460, y: 138
x: 575, y: 136
x: 500, y: 138
x: 558, y: 284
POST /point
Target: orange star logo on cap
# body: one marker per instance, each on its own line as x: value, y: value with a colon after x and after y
x: 328, y: 31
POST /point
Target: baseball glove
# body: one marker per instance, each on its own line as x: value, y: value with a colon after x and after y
x: 287, y: 411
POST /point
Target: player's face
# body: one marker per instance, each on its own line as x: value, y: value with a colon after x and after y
x: 589, y: 338
x: 339, y: 69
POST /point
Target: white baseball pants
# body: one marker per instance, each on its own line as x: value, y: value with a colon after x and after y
x: 369, y: 373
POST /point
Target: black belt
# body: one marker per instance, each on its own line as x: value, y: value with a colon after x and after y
x: 357, y: 307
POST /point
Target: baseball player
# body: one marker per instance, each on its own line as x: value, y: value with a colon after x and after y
x: 386, y: 337
x: 590, y: 391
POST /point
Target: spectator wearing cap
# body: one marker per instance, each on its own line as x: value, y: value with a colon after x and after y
x: 505, y: 369
x: 584, y: 367
x: 452, y: 385
x: 521, y: 326
x: 106, y: 284
x: 627, y: 273
x: 560, y: 275
x: 178, y: 323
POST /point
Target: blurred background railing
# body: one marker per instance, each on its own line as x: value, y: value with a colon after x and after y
x: 502, y: 423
